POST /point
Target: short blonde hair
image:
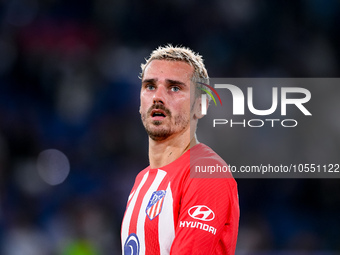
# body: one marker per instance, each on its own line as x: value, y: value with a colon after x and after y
x: 179, y: 53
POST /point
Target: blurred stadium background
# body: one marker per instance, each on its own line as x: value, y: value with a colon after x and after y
x: 71, y: 139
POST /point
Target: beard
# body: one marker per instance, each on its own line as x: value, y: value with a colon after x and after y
x: 157, y: 129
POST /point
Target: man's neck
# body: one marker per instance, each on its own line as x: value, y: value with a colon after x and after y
x: 162, y: 153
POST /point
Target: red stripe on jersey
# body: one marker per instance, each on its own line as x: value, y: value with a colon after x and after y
x: 144, y: 189
x: 151, y: 227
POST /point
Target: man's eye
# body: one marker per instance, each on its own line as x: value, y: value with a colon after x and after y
x: 175, y: 89
x: 150, y: 87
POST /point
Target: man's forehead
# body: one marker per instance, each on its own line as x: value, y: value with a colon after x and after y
x: 158, y: 69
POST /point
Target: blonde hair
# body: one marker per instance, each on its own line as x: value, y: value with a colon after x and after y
x: 178, y: 53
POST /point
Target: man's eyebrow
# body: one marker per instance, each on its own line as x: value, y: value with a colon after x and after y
x: 149, y: 81
x: 169, y: 81
x: 175, y: 82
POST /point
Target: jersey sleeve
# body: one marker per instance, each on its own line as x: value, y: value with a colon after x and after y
x: 208, y: 217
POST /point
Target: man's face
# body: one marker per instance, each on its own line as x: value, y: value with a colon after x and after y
x: 165, y: 98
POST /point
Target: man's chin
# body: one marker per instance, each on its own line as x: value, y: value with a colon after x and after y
x: 157, y: 122
x: 158, y: 134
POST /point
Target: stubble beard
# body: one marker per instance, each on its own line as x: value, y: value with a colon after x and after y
x: 157, y: 130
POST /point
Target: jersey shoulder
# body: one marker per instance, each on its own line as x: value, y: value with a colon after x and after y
x: 140, y: 176
x: 206, y: 163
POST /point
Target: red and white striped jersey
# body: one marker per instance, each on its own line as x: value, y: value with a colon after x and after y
x: 168, y: 212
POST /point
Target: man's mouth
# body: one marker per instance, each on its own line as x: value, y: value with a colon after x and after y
x: 158, y: 114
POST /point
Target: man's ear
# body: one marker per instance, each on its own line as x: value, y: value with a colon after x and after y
x: 198, y: 114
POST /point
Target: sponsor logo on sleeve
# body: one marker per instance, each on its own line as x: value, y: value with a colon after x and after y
x: 199, y: 213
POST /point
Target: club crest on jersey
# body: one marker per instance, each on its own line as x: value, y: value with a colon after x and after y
x: 155, y: 204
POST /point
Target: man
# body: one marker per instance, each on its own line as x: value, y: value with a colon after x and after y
x: 168, y: 211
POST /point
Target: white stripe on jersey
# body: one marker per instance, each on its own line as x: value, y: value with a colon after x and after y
x: 129, y: 210
x: 142, y: 215
x: 131, y: 195
x: 166, y: 228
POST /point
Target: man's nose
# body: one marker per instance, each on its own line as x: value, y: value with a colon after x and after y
x: 159, y: 95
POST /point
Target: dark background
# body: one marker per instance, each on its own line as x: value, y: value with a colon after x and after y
x: 69, y: 81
